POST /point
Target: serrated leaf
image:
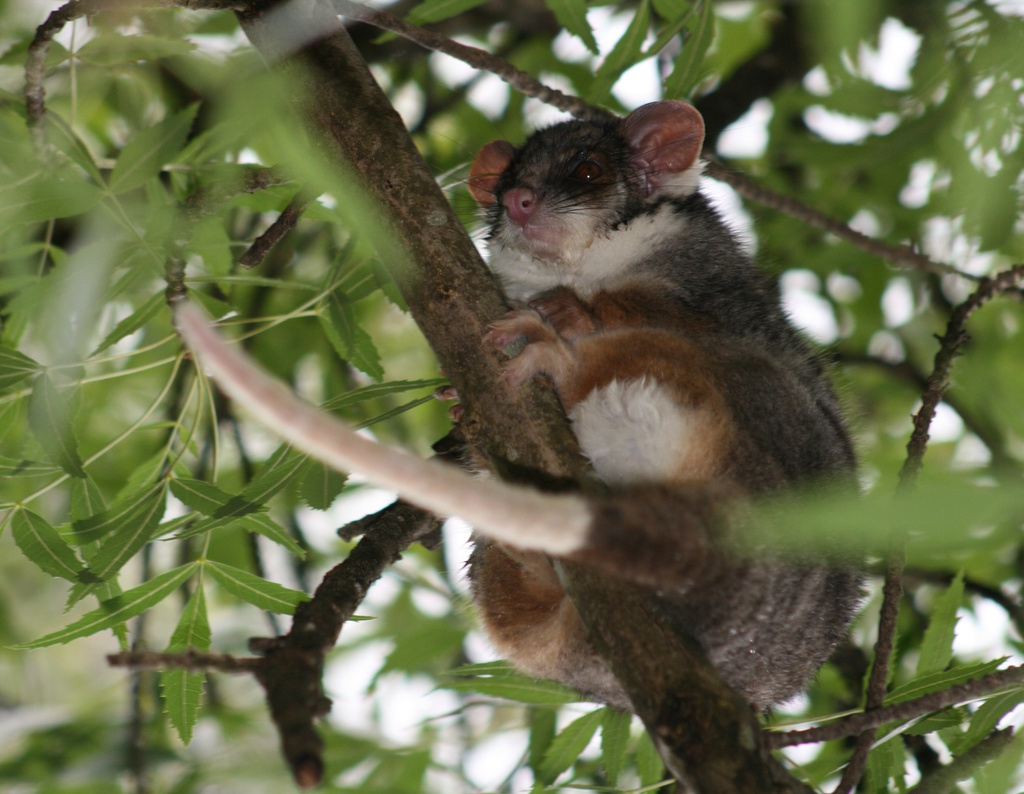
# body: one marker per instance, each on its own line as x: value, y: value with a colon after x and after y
x: 48, y: 417
x: 436, y: 10
x: 100, y: 525
x: 259, y: 592
x: 210, y: 500
x: 118, y: 609
x: 44, y: 545
x: 614, y: 738
x: 46, y: 198
x: 274, y: 474
x: 182, y: 689
x: 887, y: 762
x: 150, y: 150
x: 572, y: 15
x: 677, y: 15
x: 129, y: 325
x: 375, y: 390
x: 264, y: 525
x: 136, y: 528
x: 937, y: 644
x: 348, y: 339
x: 687, y: 70
x: 648, y: 762
x: 943, y: 679
x: 86, y: 499
x: 15, y: 367
x: 985, y: 719
x: 321, y: 485
x: 500, y: 680
x: 626, y: 52
x: 566, y: 747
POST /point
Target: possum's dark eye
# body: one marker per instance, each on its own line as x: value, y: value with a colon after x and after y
x: 588, y: 170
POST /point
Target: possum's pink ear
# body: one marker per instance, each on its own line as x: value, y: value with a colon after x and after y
x: 490, y: 163
x: 665, y: 138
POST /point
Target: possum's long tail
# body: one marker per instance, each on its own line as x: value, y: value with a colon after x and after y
x: 518, y: 516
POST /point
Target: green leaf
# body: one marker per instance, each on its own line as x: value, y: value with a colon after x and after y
x: 264, y: 525
x: 887, y: 762
x: 110, y: 50
x: 259, y: 592
x: 348, y: 339
x: 435, y: 10
x: 985, y: 719
x: 943, y: 679
x: 15, y: 367
x: 566, y: 747
x: 937, y: 645
x: 276, y: 472
x: 45, y: 199
x: 136, y: 529
x: 572, y: 15
x: 648, y: 762
x: 210, y: 500
x: 676, y: 13
x: 614, y: 738
x: 118, y: 609
x: 375, y: 390
x: 44, y: 545
x: 625, y: 53
x: 543, y: 722
x: 182, y: 689
x: 86, y: 499
x: 687, y: 70
x: 321, y: 485
x: 48, y: 416
x: 145, y: 154
x: 499, y: 679
x: 211, y: 242
x: 129, y: 325
x: 123, y: 511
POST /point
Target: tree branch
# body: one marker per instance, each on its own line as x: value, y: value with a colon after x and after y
x: 949, y: 348
x: 901, y: 712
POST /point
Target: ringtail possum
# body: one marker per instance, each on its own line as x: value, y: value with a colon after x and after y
x: 687, y: 387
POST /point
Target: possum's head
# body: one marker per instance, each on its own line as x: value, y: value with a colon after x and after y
x: 576, y: 181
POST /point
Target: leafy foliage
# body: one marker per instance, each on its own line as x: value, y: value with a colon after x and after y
x: 133, y: 491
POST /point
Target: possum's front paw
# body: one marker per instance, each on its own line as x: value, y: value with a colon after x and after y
x: 545, y: 351
x: 565, y: 312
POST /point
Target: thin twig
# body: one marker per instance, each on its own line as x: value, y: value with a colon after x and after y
x: 949, y: 349
x: 944, y: 779
x: 283, y: 224
x: 193, y: 661
x: 884, y: 645
x: 899, y: 255
x: 901, y: 712
x: 35, y: 63
x: 522, y: 81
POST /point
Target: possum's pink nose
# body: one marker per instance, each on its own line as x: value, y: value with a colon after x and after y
x: 520, y: 203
